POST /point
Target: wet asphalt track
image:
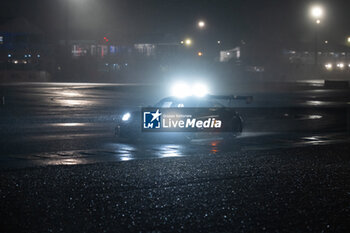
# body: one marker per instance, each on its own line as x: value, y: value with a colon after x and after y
x: 303, y: 189
x: 63, y: 123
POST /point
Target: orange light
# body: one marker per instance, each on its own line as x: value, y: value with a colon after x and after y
x: 200, y: 54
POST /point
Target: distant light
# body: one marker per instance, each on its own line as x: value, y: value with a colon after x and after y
x: 318, y: 21
x: 188, y: 41
x: 328, y: 66
x: 38, y: 56
x: 349, y: 39
x: 317, y: 12
x: 219, y: 42
x: 16, y: 62
x: 25, y: 55
x: 126, y: 64
x: 340, y: 65
x: 29, y: 55
x: 9, y: 55
x: 227, y: 53
x: 25, y: 62
x: 200, y: 54
x: 201, y: 24
x: 349, y: 65
x: 326, y: 41
x: 182, y: 42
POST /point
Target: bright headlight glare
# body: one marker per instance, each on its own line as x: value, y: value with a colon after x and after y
x: 126, y: 116
x: 200, y: 90
x: 181, y: 90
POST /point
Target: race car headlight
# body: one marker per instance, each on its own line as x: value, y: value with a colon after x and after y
x: 126, y: 116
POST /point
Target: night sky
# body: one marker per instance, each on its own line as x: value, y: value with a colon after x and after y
x: 169, y: 20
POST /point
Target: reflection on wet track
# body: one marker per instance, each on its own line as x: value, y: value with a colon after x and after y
x: 116, y: 151
x: 64, y: 124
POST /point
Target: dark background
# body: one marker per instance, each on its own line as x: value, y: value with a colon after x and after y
x: 238, y: 20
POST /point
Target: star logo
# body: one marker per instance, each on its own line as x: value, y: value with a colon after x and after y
x: 156, y: 115
x: 151, y: 120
